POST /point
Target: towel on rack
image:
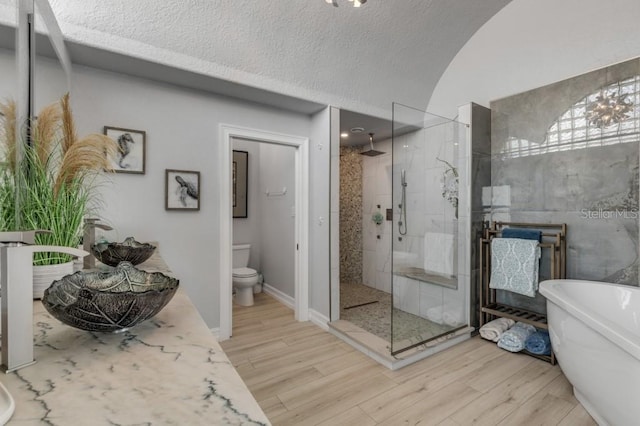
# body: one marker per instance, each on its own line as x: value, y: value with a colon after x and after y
x: 523, y: 233
x: 515, y: 265
x: 494, y: 329
x: 438, y: 253
x: 513, y: 340
x: 539, y: 343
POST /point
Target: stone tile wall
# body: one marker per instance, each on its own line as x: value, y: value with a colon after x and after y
x: 350, y: 215
x: 594, y: 190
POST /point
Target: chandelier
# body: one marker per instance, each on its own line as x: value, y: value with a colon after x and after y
x: 609, y: 109
x: 355, y: 3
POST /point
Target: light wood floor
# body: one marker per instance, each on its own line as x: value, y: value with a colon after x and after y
x: 302, y: 375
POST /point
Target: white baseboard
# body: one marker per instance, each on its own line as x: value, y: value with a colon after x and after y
x: 318, y: 319
x: 314, y: 316
x: 281, y: 297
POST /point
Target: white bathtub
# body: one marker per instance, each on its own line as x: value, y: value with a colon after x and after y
x: 595, y: 334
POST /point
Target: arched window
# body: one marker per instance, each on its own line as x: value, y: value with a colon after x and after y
x: 609, y: 116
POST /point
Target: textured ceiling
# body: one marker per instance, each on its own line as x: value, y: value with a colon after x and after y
x: 293, y: 54
x: 358, y: 59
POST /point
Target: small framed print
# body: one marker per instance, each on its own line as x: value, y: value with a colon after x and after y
x: 182, y: 190
x: 131, y: 149
x: 239, y: 180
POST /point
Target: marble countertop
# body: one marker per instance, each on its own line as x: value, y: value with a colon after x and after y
x: 169, y: 370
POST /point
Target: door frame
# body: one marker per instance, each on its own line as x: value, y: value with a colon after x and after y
x: 225, y: 158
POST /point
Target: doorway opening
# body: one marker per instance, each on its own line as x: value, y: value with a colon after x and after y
x: 300, y: 212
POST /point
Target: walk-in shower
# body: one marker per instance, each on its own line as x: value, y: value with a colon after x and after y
x: 398, y: 235
x: 427, y: 302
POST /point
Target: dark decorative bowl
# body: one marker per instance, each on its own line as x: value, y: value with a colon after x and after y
x: 128, y: 251
x: 109, y: 301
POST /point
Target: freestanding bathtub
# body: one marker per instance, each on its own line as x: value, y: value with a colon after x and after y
x: 595, y: 334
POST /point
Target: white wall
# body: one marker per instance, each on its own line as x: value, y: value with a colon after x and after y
x: 376, y: 239
x: 320, y: 145
x: 334, y: 243
x: 247, y: 230
x: 182, y: 131
x: 269, y: 226
x: 427, y: 211
x: 277, y: 223
x: 531, y: 43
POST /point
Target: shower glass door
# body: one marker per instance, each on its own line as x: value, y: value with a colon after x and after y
x: 427, y: 301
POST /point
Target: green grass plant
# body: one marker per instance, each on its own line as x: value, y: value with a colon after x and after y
x: 55, y: 179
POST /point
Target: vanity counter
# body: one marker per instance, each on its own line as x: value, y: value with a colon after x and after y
x: 169, y: 370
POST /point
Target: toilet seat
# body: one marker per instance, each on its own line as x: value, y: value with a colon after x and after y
x: 243, y: 281
x: 244, y: 273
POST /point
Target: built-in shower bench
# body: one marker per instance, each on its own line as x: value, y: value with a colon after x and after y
x: 420, y: 274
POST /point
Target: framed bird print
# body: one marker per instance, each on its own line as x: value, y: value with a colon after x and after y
x: 182, y: 190
x: 131, y: 149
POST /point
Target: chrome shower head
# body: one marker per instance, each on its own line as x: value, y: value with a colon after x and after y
x: 371, y: 152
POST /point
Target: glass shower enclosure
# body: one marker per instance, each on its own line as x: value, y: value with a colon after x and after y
x: 428, y: 301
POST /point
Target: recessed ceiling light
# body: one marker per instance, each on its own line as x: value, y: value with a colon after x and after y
x: 357, y: 129
x: 344, y: 135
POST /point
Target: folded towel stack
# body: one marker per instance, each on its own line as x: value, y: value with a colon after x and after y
x: 453, y: 316
x: 449, y: 314
x: 435, y: 314
x: 513, y: 340
x: 539, y: 343
x: 494, y: 329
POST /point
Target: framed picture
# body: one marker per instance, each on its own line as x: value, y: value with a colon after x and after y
x: 239, y: 182
x: 131, y: 149
x: 182, y: 190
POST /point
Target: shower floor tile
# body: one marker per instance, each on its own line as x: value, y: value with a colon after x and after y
x: 370, y: 309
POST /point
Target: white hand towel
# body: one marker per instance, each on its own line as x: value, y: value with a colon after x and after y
x: 438, y: 253
x: 446, y: 314
x: 494, y: 329
x: 435, y: 314
x: 453, y: 316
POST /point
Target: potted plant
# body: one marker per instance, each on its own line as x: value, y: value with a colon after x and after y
x: 54, y: 182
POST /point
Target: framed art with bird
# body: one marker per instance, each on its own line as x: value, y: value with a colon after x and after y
x: 131, y: 149
x: 182, y: 190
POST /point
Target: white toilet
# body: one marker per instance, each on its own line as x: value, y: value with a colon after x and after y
x: 244, y: 278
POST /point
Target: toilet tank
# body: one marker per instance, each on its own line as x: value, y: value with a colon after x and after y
x: 241, y: 255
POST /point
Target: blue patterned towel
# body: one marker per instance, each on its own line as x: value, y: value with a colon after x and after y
x: 513, y: 340
x: 523, y: 233
x: 514, y: 265
x: 539, y: 343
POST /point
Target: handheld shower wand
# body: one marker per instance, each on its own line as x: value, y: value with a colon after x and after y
x: 402, y: 223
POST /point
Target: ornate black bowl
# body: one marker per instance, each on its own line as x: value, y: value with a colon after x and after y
x: 109, y: 301
x: 129, y: 250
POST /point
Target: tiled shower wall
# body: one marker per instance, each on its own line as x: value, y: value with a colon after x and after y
x: 376, y: 197
x: 350, y: 215
x: 594, y: 189
x: 427, y: 211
